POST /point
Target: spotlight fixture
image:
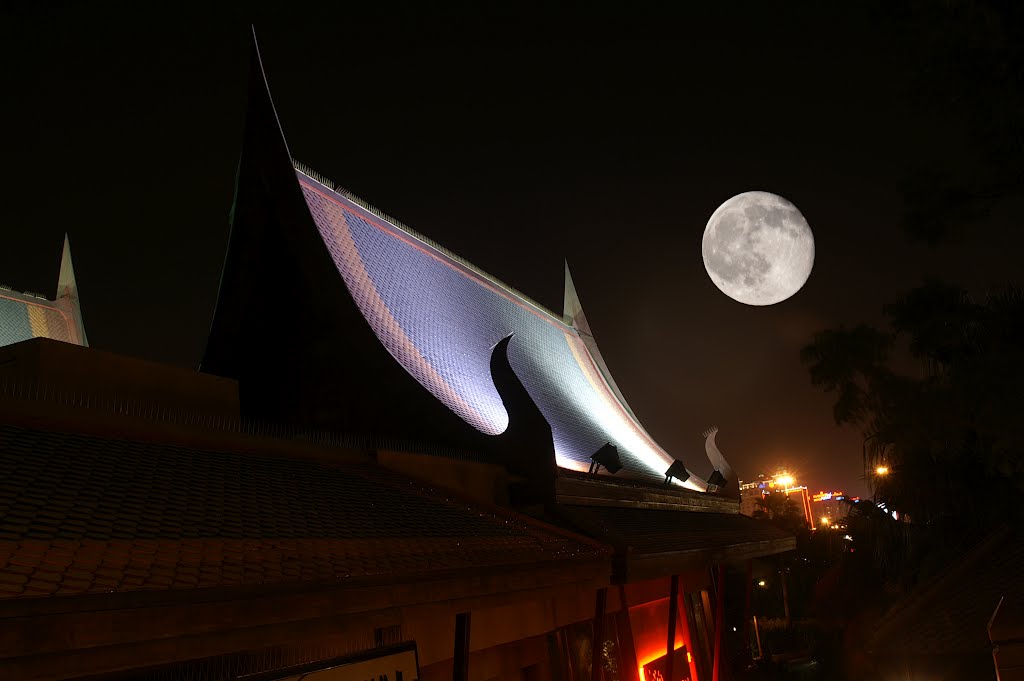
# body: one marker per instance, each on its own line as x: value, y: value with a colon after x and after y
x: 607, y: 456
x: 717, y: 479
x: 676, y: 470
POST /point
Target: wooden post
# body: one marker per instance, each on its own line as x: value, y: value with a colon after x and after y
x: 746, y: 610
x: 757, y: 635
x: 595, y: 646
x: 719, y: 623
x: 673, y: 612
x: 785, y: 593
x: 460, y: 670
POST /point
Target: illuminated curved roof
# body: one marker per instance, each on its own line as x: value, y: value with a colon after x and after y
x: 439, y: 317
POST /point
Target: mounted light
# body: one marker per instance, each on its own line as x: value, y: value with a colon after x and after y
x: 676, y: 471
x: 607, y: 456
x: 717, y: 479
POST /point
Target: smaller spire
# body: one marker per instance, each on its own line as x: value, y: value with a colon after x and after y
x: 67, y: 287
x: 572, y: 311
x: 67, y: 290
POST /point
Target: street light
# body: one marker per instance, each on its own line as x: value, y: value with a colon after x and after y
x: 882, y: 470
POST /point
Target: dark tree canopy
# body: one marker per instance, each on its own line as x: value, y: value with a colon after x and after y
x: 949, y: 431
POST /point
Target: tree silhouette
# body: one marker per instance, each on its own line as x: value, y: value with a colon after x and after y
x: 950, y: 431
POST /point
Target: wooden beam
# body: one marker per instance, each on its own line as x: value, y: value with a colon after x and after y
x: 460, y: 670
x: 673, y: 611
x: 719, y: 622
x: 595, y: 647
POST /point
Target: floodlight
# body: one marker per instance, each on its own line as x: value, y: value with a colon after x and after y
x: 676, y: 470
x: 717, y: 479
x: 607, y: 456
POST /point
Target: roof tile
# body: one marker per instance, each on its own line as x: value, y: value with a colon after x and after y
x: 149, y: 516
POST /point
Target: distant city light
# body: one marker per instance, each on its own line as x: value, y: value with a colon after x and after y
x: 785, y: 480
x: 825, y: 521
x: 882, y: 470
x: 762, y: 583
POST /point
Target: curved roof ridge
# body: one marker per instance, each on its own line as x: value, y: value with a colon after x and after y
x: 425, y: 240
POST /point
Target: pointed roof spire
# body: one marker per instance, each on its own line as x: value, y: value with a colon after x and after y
x: 67, y: 290
x: 258, y: 85
x: 67, y: 287
x: 572, y: 301
x: 572, y: 311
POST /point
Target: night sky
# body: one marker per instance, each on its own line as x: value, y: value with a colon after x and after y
x: 519, y: 140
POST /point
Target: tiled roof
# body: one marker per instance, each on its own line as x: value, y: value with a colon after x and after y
x: 646, y: 531
x: 83, y: 514
x: 950, y: 614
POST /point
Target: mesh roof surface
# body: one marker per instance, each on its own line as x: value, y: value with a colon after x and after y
x: 83, y: 514
x: 24, y: 317
x: 440, y: 318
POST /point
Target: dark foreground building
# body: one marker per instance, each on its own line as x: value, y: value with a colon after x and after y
x: 416, y: 500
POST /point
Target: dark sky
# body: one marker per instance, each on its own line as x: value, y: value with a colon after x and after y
x: 518, y: 140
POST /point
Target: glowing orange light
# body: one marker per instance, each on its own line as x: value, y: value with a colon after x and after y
x: 657, y: 675
x: 825, y: 521
x: 882, y: 470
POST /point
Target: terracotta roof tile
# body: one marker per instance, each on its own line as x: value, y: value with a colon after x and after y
x: 90, y: 514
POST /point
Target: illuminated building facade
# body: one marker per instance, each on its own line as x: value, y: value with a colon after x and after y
x: 440, y: 317
x: 830, y: 505
x: 24, y: 316
x: 751, y: 494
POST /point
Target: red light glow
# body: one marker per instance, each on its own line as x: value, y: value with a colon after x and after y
x: 649, y: 623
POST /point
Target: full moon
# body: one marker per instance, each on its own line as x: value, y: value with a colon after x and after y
x: 758, y: 248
